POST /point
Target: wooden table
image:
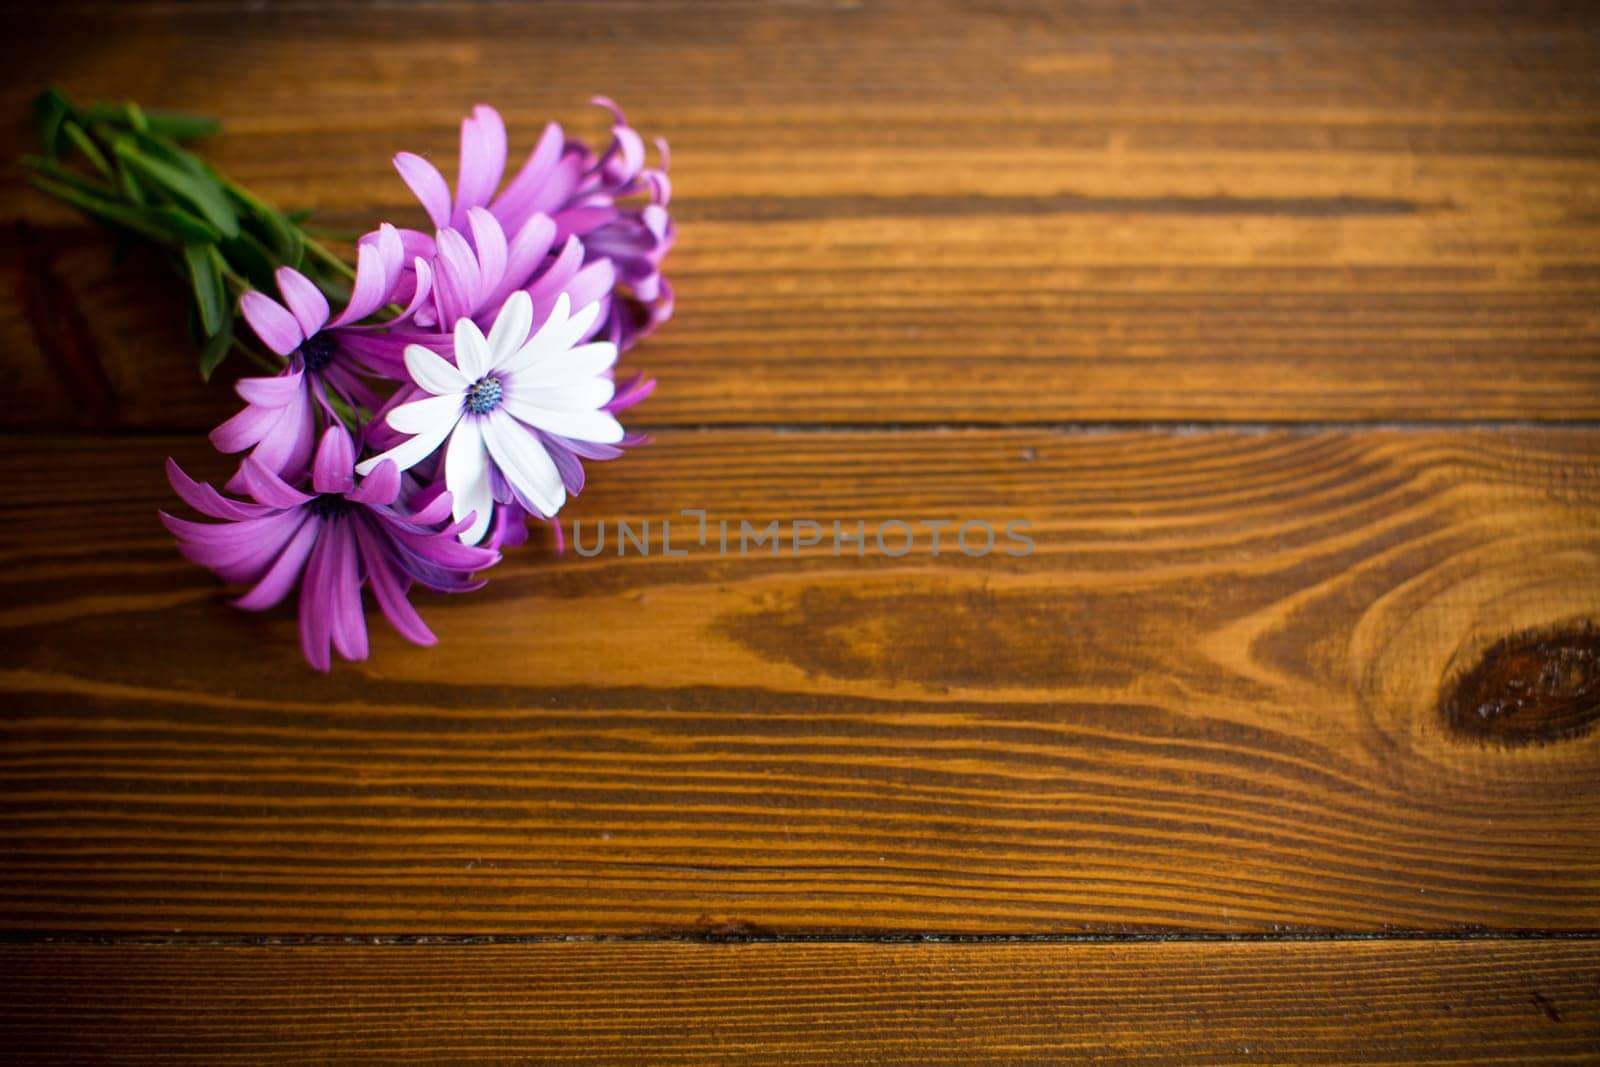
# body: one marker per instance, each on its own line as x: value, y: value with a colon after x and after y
x: 1277, y: 322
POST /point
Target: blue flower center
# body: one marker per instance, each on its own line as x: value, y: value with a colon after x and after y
x: 318, y: 351
x: 484, y: 396
x: 329, y: 506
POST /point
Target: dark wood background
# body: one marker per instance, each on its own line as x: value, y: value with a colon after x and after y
x: 1279, y: 322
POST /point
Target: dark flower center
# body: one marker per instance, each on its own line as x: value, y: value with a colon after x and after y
x: 329, y: 506
x: 484, y: 396
x: 318, y: 351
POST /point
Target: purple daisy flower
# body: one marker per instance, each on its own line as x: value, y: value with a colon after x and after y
x: 279, y: 422
x: 328, y: 543
x: 610, y: 204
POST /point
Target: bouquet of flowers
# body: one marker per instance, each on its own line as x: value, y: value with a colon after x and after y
x: 409, y: 436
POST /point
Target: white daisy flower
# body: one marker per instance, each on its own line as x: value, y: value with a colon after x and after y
x: 500, y: 391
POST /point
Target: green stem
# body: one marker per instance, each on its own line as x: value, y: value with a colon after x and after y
x: 315, y: 248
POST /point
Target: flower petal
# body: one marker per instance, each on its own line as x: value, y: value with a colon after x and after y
x: 584, y: 394
x: 483, y: 160
x: 379, y: 261
x: 381, y: 488
x: 524, y: 193
x: 526, y: 253
x: 466, y: 472
x: 420, y: 415
x: 430, y: 371
x: 316, y: 622
x: 206, y: 500
x: 305, y: 300
x: 457, y: 282
x: 275, y: 392
x: 410, y: 452
x: 349, y: 625
x: 600, y: 426
x: 559, y: 334
x: 336, y: 454
x: 524, y: 462
x: 284, y: 572
x: 472, y: 350
x: 511, y: 328
x: 427, y: 184
x: 262, y: 483
x: 271, y: 321
x: 489, y: 240
x: 245, y: 429
x: 388, y: 589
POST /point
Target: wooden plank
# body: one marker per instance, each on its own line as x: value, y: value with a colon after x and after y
x: 1473, y: 1002
x: 1245, y: 682
x: 920, y: 212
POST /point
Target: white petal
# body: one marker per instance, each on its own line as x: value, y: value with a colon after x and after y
x: 466, y: 475
x: 472, y: 350
x: 586, y: 394
x: 597, y: 426
x: 558, y: 334
x: 524, y: 461
x: 432, y: 372
x: 409, y: 453
x: 420, y: 416
x: 510, y: 330
x: 558, y: 368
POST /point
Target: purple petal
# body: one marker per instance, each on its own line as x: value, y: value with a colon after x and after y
x: 490, y: 242
x: 336, y: 456
x: 631, y: 392
x: 519, y: 200
x: 271, y: 321
x: 389, y: 590
x: 287, y: 445
x: 424, y: 275
x: 316, y: 621
x: 237, y: 551
x: 567, y: 463
x: 284, y: 572
x: 378, y: 265
x: 266, y: 487
x: 429, y: 512
x: 591, y: 284
x: 483, y: 161
x: 526, y: 253
x: 349, y: 624
x: 554, y: 280
x: 380, y: 488
x: 275, y: 392
x: 206, y: 500
x: 245, y: 429
x: 427, y: 184
x: 305, y: 300
x: 581, y: 220
x: 455, y: 284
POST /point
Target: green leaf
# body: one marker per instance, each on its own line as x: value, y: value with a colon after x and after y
x: 111, y: 211
x: 136, y: 117
x: 164, y: 224
x: 180, y: 127
x: 205, y: 194
x: 50, y: 109
x: 251, y: 259
x: 275, y: 231
x: 86, y: 145
x: 216, y: 349
x: 205, y: 274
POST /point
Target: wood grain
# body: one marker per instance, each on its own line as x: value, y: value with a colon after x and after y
x: 1476, y: 1002
x: 922, y: 212
x: 1217, y: 696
